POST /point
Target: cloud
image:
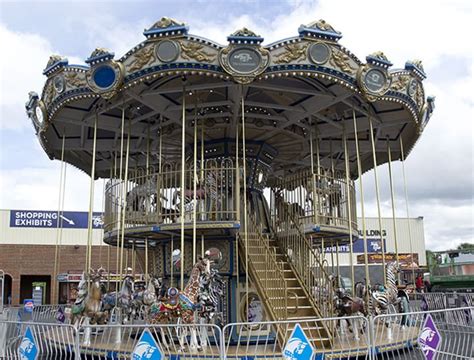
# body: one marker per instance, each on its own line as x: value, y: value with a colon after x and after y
x: 21, y: 71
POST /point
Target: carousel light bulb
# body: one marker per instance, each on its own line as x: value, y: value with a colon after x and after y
x: 260, y: 177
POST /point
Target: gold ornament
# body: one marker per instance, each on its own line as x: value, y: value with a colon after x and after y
x: 293, y: 52
x: 142, y: 58
x: 401, y: 83
x: 342, y: 61
x: 166, y: 22
x: 196, y: 52
x: 74, y: 79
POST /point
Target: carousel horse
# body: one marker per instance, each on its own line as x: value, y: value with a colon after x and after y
x: 122, y: 300
x: 347, y: 305
x: 87, y: 306
x: 151, y: 294
x: 182, y: 305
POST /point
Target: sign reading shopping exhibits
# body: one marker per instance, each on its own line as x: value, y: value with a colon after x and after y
x: 404, y: 259
x: 53, y: 219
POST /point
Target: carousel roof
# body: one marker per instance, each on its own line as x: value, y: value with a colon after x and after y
x: 306, y: 84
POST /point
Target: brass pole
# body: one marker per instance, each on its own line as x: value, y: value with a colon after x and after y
x: 59, y: 224
x: 244, y: 159
x: 183, y: 166
x: 127, y: 155
x: 349, y: 205
x: 121, y: 199
x: 171, y: 262
x: 195, y: 181
x: 91, y: 197
x: 237, y: 202
x: 392, y: 197
x: 377, y: 193
x: 361, y: 189
x: 408, y: 212
x: 313, y: 174
x: 157, y: 199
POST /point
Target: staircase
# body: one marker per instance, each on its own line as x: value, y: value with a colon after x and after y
x: 281, y: 287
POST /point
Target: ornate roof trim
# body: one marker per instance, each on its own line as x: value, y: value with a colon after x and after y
x: 54, y: 63
x: 100, y: 55
x: 166, y: 26
x: 245, y: 36
x: 319, y: 29
x: 378, y: 58
x: 417, y: 67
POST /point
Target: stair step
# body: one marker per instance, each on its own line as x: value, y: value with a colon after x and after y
x: 307, y: 328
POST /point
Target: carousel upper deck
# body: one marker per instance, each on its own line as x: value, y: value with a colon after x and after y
x: 193, y: 132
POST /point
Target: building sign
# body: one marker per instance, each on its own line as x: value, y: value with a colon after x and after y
x: 50, y: 219
x: 374, y: 245
x: 403, y: 259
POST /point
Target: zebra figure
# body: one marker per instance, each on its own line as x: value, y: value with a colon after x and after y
x: 207, y: 191
x: 383, y: 300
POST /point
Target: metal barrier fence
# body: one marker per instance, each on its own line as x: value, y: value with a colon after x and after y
x: 449, y: 333
x: 392, y: 336
x: 21, y: 340
x: 350, y: 338
x: 47, y: 313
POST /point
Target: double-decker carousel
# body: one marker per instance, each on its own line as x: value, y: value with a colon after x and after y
x: 236, y: 162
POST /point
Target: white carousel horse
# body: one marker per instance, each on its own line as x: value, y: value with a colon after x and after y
x: 123, y: 300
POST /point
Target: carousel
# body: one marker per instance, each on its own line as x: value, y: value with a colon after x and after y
x: 229, y: 169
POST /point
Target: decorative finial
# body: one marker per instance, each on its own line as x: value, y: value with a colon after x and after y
x: 166, y: 22
x: 245, y: 35
x: 54, y: 63
x: 166, y: 27
x: 319, y: 29
x: 378, y: 58
x: 99, y: 55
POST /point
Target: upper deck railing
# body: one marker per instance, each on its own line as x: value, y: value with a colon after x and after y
x: 319, y: 198
x: 151, y: 197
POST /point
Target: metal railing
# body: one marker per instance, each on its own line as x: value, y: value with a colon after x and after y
x: 266, y: 270
x: 449, y: 333
x: 154, y: 197
x: 314, y: 198
x: 258, y: 340
x: 50, y: 341
x: 307, y: 264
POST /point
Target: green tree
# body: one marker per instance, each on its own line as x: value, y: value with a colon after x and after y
x: 465, y: 246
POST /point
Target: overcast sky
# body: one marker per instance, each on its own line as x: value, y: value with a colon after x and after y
x: 439, y: 169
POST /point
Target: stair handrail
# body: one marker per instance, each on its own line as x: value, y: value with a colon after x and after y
x: 268, y: 273
x: 318, y: 286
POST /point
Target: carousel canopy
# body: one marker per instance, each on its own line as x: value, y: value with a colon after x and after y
x: 300, y: 88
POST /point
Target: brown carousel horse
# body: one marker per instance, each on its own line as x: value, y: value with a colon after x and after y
x: 182, y: 305
x: 88, y: 303
x: 347, y: 305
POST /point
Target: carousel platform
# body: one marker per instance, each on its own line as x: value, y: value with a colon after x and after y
x: 105, y: 344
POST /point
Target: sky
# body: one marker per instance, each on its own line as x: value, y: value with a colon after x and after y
x: 439, y: 171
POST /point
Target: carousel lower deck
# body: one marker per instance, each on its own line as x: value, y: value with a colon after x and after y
x: 110, y: 343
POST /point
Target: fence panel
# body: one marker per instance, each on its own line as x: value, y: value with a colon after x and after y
x: 18, y: 340
x: 260, y: 339
x: 172, y: 340
x: 407, y: 336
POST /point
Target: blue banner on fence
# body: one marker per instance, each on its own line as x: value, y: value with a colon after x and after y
x: 373, y: 246
x: 50, y: 219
